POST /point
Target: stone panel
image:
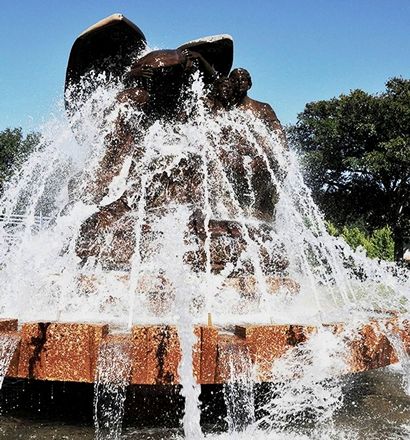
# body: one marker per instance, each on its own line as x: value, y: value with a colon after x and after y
x: 156, y: 355
x: 60, y: 351
x: 269, y: 342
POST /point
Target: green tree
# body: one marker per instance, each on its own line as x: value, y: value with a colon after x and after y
x: 378, y: 245
x: 14, y: 150
x: 356, y: 154
x: 382, y: 244
x: 355, y: 237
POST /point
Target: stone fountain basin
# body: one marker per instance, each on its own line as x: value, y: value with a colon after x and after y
x: 58, y: 351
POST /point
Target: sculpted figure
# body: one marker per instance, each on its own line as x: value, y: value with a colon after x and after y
x: 221, y: 94
x: 157, y: 87
x: 241, y: 82
x: 164, y: 77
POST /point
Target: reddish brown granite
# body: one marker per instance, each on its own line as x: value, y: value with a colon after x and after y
x: 269, y: 342
x: 60, y: 351
x: 122, y: 340
x: 208, y: 353
x: 156, y: 355
x: 116, y: 363
x: 371, y: 349
x: 8, y: 325
x: 403, y: 331
x: 13, y: 367
x: 69, y: 351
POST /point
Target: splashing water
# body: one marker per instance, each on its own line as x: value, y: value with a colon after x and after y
x: 401, y: 353
x: 329, y: 275
x: 169, y: 222
x: 307, y: 385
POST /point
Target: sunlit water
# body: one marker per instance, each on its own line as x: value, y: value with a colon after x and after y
x: 165, y: 273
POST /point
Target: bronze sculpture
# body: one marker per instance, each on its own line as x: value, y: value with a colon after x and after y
x: 157, y: 85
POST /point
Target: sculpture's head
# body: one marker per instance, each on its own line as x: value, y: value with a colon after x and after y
x: 164, y: 75
x: 223, y: 91
x: 241, y: 82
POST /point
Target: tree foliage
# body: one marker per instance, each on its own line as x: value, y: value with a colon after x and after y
x: 356, y: 153
x: 14, y: 150
x: 378, y: 245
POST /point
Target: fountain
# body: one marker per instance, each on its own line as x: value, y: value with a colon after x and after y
x: 182, y: 246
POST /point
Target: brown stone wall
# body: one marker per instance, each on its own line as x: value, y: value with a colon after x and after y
x: 69, y: 351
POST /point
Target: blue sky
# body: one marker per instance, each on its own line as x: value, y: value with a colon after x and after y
x: 296, y: 50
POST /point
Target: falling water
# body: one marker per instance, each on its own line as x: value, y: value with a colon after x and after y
x: 112, y: 378
x: 180, y: 182
x: 400, y: 350
x: 8, y: 345
x: 239, y: 390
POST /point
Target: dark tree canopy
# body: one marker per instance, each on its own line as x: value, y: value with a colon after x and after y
x: 356, y: 152
x: 14, y: 149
